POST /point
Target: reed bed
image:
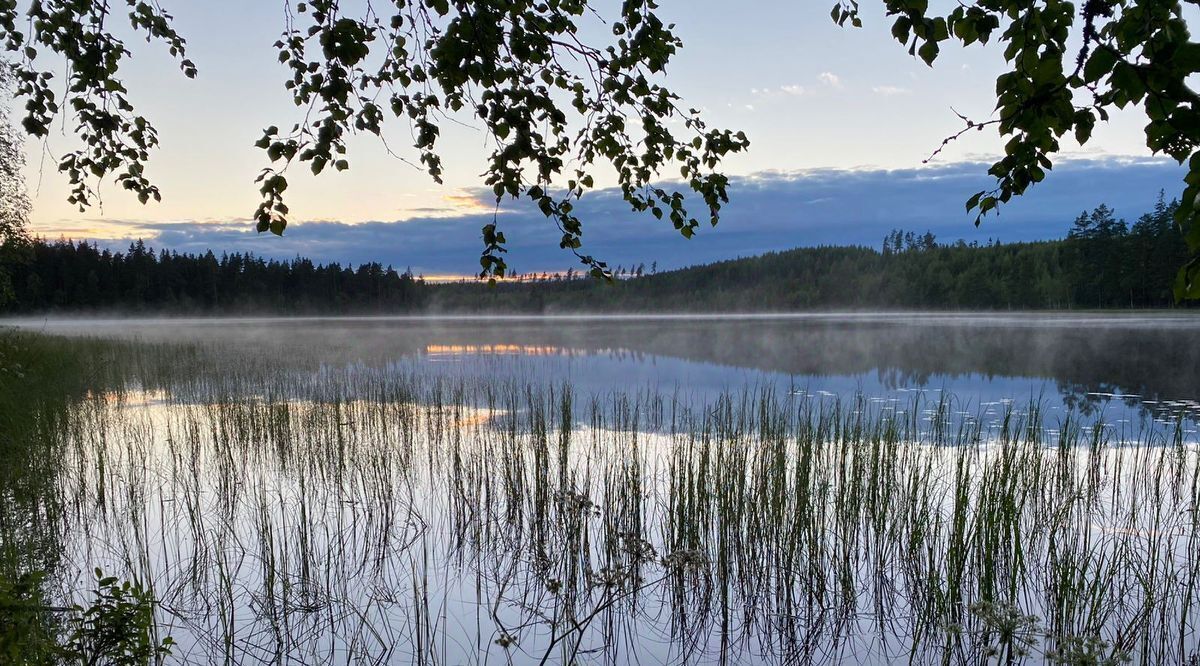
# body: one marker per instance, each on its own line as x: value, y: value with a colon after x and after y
x: 375, y: 515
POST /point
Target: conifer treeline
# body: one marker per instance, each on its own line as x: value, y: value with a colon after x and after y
x: 64, y: 275
x: 1102, y: 263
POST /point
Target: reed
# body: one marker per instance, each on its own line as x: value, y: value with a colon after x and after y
x: 376, y: 515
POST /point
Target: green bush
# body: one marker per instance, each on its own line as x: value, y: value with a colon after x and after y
x: 115, y: 629
x: 27, y: 631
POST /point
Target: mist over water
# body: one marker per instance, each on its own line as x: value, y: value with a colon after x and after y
x: 1127, y: 368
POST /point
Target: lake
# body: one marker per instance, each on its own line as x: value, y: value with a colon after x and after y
x: 879, y: 488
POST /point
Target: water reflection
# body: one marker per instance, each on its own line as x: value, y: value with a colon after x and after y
x: 789, y: 490
x: 1121, y: 367
x: 498, y: 350
x: 443, y: 522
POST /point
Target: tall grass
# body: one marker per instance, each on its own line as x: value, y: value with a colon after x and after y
x: 375, y: 515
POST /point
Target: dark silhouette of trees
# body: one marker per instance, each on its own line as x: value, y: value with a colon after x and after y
x: 72, y: 276
x: 560, y: 100
x: 557, y: 100
x: 1102, y: 263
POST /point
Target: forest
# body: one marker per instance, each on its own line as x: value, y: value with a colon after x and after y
x: 1103, y: 262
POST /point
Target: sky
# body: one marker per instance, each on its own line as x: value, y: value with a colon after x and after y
x: 839, y: 120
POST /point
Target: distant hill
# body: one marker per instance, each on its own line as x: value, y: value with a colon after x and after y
x: 1102, y: 263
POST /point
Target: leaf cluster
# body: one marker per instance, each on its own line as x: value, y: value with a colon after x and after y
x: 552, y: 103
x: 116, y: 140
x: 117, y: 628
x: 1069, y: 66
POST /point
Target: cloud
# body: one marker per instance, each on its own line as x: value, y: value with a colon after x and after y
x: 890, y: 91
x: 830, y: 79
x: 768, y: 211
x: 788, y: 90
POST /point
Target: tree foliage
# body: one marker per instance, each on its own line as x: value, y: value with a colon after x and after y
x: 1070, y: 66
x: 14, y: 202
x: 554, y: 105
x: 117, y: 141
x: 1103, y: 263
x: 64, y: 275
x: 558, y: 103
x: 1111, y: 265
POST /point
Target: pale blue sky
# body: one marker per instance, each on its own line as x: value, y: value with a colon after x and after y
x: 810, y: 96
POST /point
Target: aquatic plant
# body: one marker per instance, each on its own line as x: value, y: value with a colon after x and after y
x: 379, y: 515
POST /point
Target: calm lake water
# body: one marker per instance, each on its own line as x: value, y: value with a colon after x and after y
x: 1128, y: 370
x: 880, y: 488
